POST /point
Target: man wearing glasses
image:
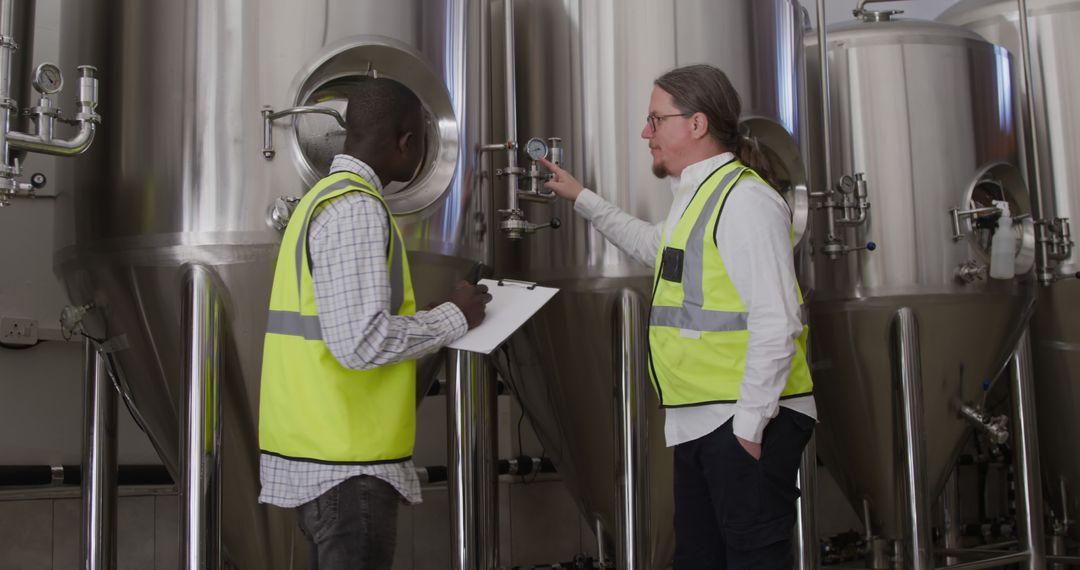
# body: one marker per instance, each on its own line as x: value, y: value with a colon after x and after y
x: 727, y: 346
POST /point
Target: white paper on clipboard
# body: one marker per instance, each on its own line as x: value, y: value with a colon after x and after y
x: 512, y: 303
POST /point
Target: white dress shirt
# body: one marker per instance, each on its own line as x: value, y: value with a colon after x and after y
x: 753, y: 236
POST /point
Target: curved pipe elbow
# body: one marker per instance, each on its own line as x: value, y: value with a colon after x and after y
x: 58, y: 147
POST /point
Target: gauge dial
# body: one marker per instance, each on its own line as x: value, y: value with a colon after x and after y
x: 48, y: 79
x: 536, y: 148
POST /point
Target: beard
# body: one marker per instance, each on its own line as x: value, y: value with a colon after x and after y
x: 660, y: 171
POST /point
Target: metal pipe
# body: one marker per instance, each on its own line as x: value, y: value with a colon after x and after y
x: 994, y: 562
x: 868, y: 528
x: 826, y: 104
x: 950, y: 503
x: 601, y: 551
x: 200, y: 436
x: 826, y: 120
x: 807, y: 551
x: 1035, y: 174
x: 982, y: 551
x: 309, y: 110
x: 877, y: 547
x: 1066, y: 522
x: 995, y: 428
x: 99, y: 468
x: 511, y: 107
x: 487, y: 465
x: 7, y: 105
x: 460, y: 449
x: 43, y: 141
x: 862, y: 4
x: 1029, y: 504
x: 269, y: 116
x: 1057, y: 549
x: 911, y: 444
x: 879, y: 555
x: 485, y: 176
x: 1007, y: 545
x: 56, y: 147
x: 471, y: 459
x: 632, y: 475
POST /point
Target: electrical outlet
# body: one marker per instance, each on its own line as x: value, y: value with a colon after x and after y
x: 18, y: 331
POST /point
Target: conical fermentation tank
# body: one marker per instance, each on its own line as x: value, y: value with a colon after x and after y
x: 584, y: 73
x: 924, y: 158
x: 197, y: 165
x: 1055, y: 330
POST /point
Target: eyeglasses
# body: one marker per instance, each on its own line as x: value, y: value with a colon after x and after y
x: 654, y: 120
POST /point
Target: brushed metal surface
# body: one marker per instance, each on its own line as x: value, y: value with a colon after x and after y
x: 584, y: 73
x: 1055, y: 332
x: 923, y: 109
x: 178, y: 177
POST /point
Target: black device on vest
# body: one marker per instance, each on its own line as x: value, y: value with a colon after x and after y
x: 671, y: 265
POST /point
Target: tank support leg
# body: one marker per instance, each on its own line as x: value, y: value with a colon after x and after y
x: 806, y: 540
x: 950, y: 506
x: 1027, y: 456
x: 632, y: 469
x: 200, y: 434
x: 98, y: 465
x: 911, y: 440
x: 472, y: 462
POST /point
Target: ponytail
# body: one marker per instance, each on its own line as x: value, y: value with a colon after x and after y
x: 749, y: 152
x: 705, y: 89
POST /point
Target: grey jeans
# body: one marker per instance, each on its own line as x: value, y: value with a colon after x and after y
x: 352, y: 526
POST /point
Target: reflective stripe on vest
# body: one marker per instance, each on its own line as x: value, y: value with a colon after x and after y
x: 311, y: 408
x: 690, y: 316
x: 307, y: 326
x: 698, y: 326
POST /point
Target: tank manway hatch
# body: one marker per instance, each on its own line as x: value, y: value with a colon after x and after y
x: 314, y: 127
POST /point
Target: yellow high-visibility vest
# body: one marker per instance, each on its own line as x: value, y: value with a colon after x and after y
x: 698, y: 333
x: 310, y: 406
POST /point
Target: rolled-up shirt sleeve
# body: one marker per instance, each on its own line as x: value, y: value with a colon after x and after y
x: 754, y: 239
x: 347, y: 244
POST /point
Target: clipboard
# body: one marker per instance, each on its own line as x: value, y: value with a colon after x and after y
x: 512, y: 304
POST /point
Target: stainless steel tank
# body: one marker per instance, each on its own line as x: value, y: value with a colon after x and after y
x: 1055, y: 331
x: 584, y: 73
x: 922, y: 112
x: 182, y: 177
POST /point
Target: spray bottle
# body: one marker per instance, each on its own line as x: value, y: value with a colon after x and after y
x: 1003, y: 245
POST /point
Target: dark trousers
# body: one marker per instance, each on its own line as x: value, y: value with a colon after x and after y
x: 733, y: 511
x: 352, y: 526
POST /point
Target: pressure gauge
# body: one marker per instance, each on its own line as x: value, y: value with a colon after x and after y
x: 536, y: 148
x: 48, y: 79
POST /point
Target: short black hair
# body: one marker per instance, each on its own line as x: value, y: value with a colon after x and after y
x: 381, y: 110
